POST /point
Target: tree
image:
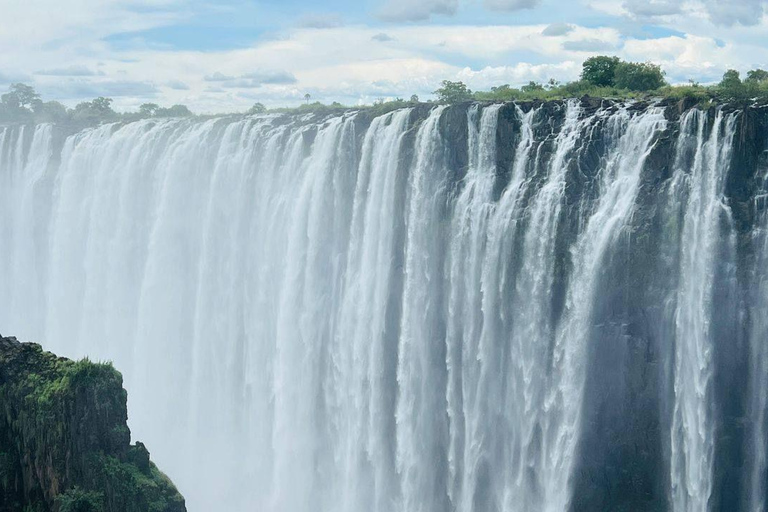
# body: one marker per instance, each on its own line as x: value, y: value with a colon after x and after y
x: 51, y: 112
x: 638, y: 76
x: 78, y: 500
x: 532, y: 87
x: 731, y: 79
x: 414, y: 98
x: 731, y: 86
x: 174, y: 111
x: 757, y: 76
x: 257, y: 108
x: 307, y: 97
x: 103, y: 105
x: 600, y: 70
x: 21, y: 96
x: 96, y: 111
x: 453, y: 92
x: 148, y: 109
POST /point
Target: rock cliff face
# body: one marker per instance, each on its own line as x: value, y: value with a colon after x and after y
x: 64, y: 442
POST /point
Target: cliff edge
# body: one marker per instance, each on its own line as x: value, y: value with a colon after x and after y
x: 64, y: 439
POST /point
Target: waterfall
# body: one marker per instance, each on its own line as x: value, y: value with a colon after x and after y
x: 759, y: 367
x: 408, y: 312
x: 693, y: 433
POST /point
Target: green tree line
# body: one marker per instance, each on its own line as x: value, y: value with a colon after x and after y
x: 610, y: 77
x: 23, y: 104
x: 601, y: 76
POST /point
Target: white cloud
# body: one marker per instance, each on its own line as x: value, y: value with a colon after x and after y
x: 321, y: 21
x: 730, y: 12
x: 510, y: 5
x: 347, y: 63
x: 177, y: 85
x: 420, y: 10
x: 217, y: 77
x: 74, y: 70
x: 588, y: 45
x: 557, y: 29
x: 520, y: 73
x: 382, y: 37
x: 68, y: 23
x: 7, y: 78
x: 701, y: 58
x: 651, y: 8
x: 672, y: 12
x: 251, y: 80
x: 80, y: 89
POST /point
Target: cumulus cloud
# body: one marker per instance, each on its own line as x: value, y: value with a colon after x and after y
x: 732, y: 12
x: 588, y: 45
x: 107, y: 88
x: 74, y: 70
x: 251, y: 80
x: 7, y: 78
x: 177, y: 85
x: 355, y: 63
x: 321, y: 21
x: 518, y: 74
x: 218, y: 77
x: 510, y: 5
x: 652, y: 8
x: 409, y: 10
x: 719, y: 12
x: 22, y: 24
x: 382, y: 37
x: 697, y: 57
x: 557, y: 29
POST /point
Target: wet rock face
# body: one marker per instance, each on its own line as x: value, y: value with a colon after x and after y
x: 64, y: 442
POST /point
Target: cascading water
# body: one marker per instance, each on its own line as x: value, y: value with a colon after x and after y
x: 693, y: 427
x: 467, y: 308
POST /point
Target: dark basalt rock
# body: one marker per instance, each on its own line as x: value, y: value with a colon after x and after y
x: 64, y: 442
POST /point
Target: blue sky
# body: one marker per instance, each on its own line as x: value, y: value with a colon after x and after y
x: 224, y: 56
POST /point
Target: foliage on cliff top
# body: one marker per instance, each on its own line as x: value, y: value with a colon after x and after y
x: 602, y: 77
x: 64, y: 441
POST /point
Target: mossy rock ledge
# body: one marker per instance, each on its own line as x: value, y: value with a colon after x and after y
x: 64, y: 439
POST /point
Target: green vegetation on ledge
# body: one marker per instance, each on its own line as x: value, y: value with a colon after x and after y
x: 610, y: 77
x: 64, y: 441
x: 601, y: 77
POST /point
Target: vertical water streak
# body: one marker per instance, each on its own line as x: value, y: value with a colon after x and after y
x: 692, y: 437
x: 469, y: 227
x: 26, y: 238
x: 364, y: 339
x: 531, y: 327
x: 513, y: 430
x: 632, y: 139
x: 420, y: 414
x: 759, y: 355
x: 305, y: 321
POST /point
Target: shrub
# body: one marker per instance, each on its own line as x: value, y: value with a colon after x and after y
x: 78, y: 500
x: 453, y: 92
x: 257, y: 108
x: 638, y: 76
x: 600, y: 70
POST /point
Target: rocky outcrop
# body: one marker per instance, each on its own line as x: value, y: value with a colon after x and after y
x: 64, y: 442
